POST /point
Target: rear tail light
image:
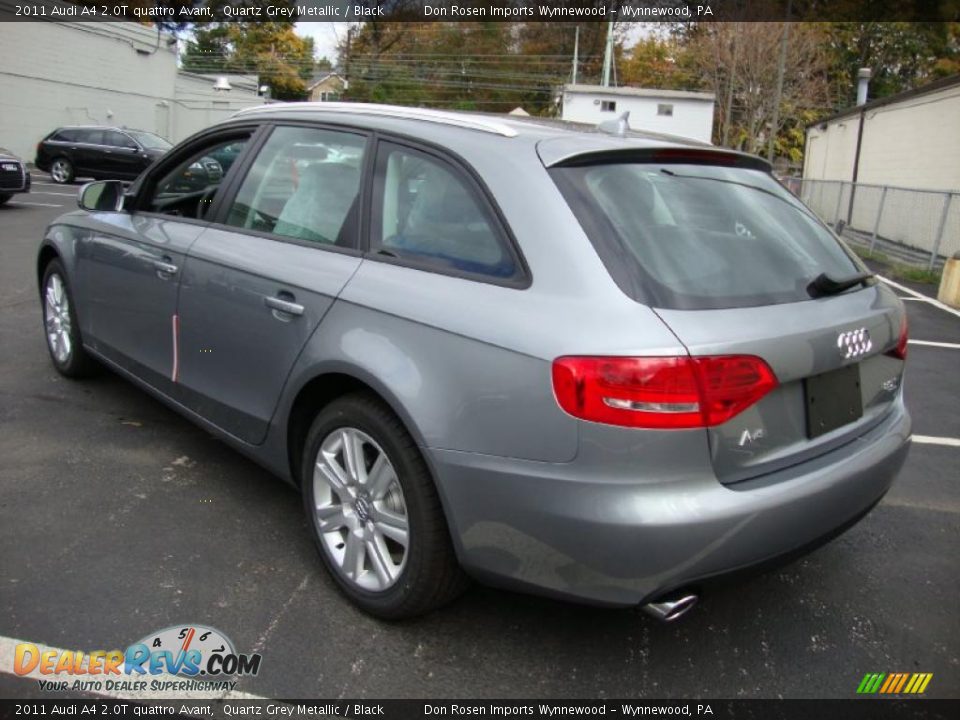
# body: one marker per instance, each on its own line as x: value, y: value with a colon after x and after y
x: 900, y: 351
x: 660, y: 392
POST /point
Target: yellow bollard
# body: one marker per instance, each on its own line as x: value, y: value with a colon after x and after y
x: 949, y: 292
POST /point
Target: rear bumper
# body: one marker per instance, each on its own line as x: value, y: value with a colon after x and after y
x: 550, y: 529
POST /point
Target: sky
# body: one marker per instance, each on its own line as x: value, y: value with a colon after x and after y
x: 325, y: 36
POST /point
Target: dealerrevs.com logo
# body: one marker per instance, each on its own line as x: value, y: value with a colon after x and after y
x: 184, y: 657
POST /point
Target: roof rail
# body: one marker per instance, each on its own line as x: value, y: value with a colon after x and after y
x: 470, y: 122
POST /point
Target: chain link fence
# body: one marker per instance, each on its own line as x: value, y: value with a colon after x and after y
x: 917, y: 227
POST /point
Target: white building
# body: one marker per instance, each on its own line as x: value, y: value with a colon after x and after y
x: 103, y: 73
x: 675, y: 112
x: 909, y: 140
x: 890, y: 168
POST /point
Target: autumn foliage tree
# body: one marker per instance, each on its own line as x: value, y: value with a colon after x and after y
x: 282, y: 59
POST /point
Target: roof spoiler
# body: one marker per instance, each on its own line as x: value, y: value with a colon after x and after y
x: 690, y: 156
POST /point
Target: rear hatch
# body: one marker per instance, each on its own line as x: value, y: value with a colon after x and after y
x: 735, y: 265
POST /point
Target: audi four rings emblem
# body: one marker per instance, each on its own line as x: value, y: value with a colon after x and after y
x: 854, y: 343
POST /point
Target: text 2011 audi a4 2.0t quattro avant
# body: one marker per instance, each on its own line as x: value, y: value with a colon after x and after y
x: 595, y: 366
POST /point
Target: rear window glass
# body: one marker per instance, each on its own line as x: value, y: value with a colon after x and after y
x: 687, y: 236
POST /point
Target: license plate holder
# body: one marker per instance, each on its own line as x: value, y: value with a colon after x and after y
x: 833, y: 400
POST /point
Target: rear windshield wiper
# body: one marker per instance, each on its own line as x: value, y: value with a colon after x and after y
x: 824, y: 285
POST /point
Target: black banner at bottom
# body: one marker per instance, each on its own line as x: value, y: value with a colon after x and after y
x: 859, y: 709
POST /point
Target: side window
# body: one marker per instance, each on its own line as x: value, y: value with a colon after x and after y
x: 65, y: 136
x: 91, y: 137
x: 117, y: 139
x: 304, y: 184
x: 425, y: 210
x: 188, y: 190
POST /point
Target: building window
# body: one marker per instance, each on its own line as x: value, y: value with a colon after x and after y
x: 608, y: 106
x: 665, y: 109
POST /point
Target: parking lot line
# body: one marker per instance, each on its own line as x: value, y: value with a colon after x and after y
x: 930, y: 343
x: 8, y: 648
x: 919, y: 296
x: 931, y: 440
x: 34, y: 204
x: 44, y: 192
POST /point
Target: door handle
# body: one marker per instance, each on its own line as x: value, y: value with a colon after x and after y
x: 284, y: 306
x: 167, y: 268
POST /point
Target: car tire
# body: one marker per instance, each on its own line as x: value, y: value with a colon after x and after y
x: 357, y: 529
x: 4, y: 198
x: 60, y: 326
x: 61, y: 171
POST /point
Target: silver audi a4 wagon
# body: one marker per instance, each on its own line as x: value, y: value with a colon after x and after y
x: 593, y: 364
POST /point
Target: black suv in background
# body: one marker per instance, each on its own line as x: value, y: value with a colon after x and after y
x: 98, y: 152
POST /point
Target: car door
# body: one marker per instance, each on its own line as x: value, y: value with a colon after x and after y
x: 259, y: 281
x: 89, y: 153
x: 131, y: 264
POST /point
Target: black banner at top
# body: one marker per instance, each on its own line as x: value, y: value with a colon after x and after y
x: 185, y: 11
x: 252, y: 708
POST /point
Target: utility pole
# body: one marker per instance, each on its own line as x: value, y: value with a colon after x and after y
x: 576, y: 52
x: 608, y: 55
x: 779, y: 92
x: 731, y: 80
x: 346, y: 62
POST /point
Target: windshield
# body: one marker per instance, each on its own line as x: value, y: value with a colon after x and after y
x: 149, y: 141
x: 689, y: 236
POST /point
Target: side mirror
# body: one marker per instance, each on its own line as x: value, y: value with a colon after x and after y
x: 101, y: 195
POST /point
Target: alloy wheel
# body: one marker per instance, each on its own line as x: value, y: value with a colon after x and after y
x: 359, y: 510
x: 60, y: 171
x: 56, y: 316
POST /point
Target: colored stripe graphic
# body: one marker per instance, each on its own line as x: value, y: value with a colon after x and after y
x: 903, y: 680
x: 894, y: 683
x: 891, y: 679
x: 870, y: 683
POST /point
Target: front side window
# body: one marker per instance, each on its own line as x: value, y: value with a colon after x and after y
x: 425, y: 211
x: 188, y: 190
x: 304, y: 185
x: 689, y: 236
x: 608, y: 106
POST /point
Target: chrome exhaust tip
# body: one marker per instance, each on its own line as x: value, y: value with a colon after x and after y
x: 673, y: 609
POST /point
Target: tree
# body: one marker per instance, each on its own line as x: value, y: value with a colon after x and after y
x: 656, y: 62
x: 901, y: 56
x: 738, y: 63
x: 272, y: 50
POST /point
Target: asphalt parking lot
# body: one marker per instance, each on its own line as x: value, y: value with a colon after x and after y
x: 121, y: 518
